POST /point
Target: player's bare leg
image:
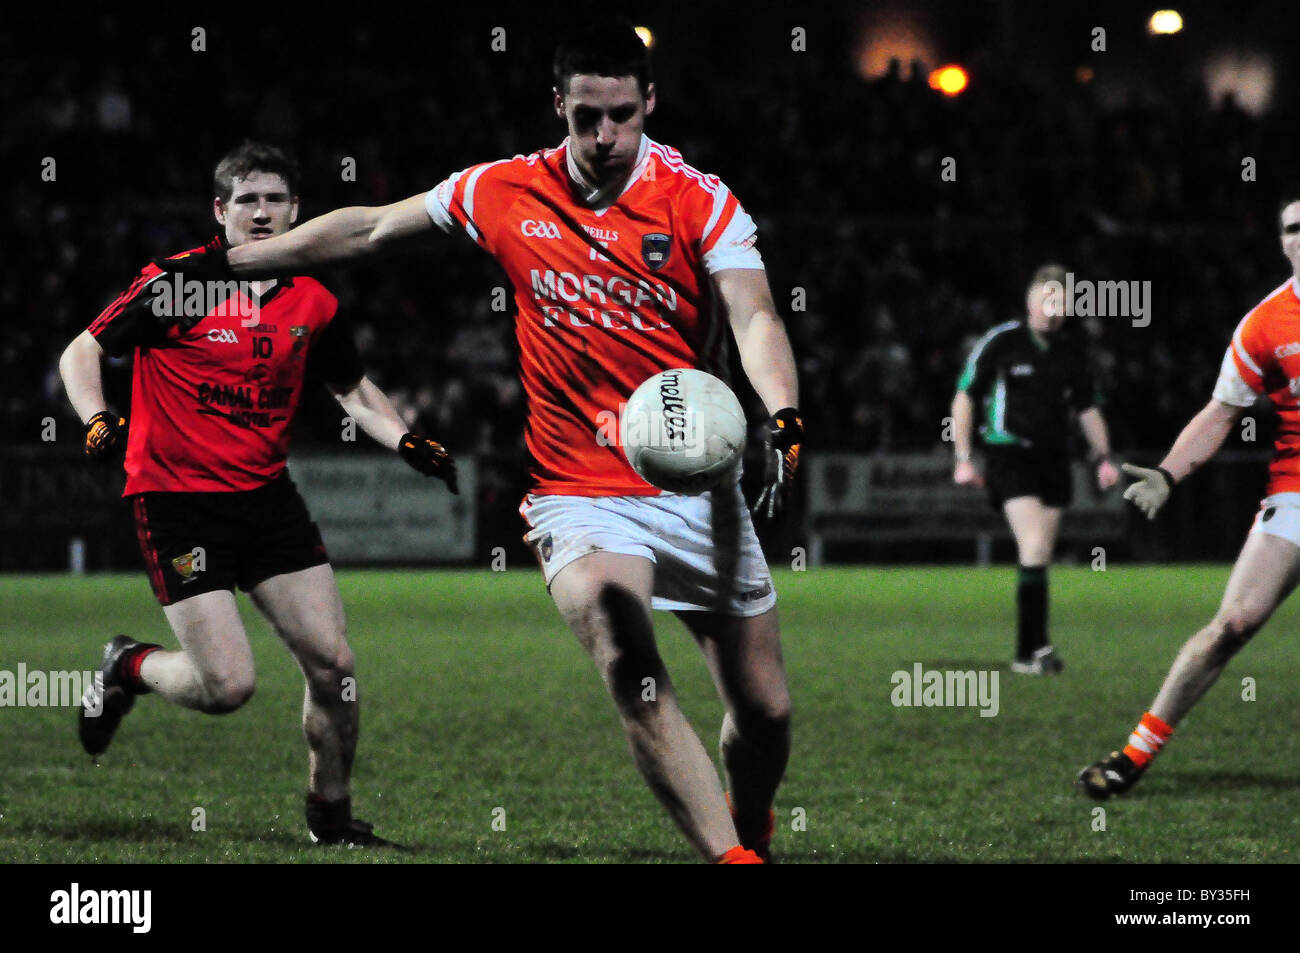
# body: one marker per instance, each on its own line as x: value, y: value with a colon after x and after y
x: 605, y: 599
x: 307, y: 613
x: 744, y: 657
x: 1034, y: 527
x: 213, y: 672
x: 1265, y: 574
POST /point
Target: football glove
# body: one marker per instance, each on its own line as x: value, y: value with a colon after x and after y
x: 1152, y: 489
x: 204, y: 264
x: 781, y: 440
x: 430, y: 458
x: 105, y: 436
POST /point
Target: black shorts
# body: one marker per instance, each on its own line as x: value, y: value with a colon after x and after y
x: 202, y: 542
x: 1010, y: 472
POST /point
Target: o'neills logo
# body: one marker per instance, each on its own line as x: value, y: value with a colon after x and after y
x: 674, y: 408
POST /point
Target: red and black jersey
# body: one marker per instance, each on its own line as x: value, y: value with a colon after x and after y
x: 211, y: 405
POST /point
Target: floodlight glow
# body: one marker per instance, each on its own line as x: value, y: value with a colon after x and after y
x: 1165, y: 22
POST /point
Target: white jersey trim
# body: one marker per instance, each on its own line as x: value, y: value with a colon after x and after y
x: 982, y: 343
x: 1241, y: 348
x: 437, y: 202
x: 1231, y: 388
x: 735, y: 247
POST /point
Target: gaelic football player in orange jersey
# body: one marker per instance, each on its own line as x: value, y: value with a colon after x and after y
x: 212, y: 399
x: 1263, y: 358
x: 625, y: 261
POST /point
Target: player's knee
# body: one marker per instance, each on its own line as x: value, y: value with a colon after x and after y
x: 227, y: 691
x: 328, y: 673
x: 763, y: 722
x: 1233, y: 628
x: 1035, y: 551
x: 637, y: 681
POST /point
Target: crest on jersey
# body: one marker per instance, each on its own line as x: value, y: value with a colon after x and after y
x: 654, y: 250
x: 184, y: 566
x: 299, y: 334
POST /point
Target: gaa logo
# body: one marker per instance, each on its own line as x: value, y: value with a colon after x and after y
x: 532, y: 228
x: 223, y: 336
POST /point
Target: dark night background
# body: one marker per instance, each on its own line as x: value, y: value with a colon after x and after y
x: 1123, y: 164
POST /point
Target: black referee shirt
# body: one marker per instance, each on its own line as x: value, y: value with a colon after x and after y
x: 1028, y: 393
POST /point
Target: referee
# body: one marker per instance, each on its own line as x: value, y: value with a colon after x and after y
x: 1026, y: 379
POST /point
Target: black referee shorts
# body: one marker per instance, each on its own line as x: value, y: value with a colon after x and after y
x: 1010, y: 472
x: 202, y: 542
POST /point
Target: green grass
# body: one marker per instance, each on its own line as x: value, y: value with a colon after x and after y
x: 475, y: 696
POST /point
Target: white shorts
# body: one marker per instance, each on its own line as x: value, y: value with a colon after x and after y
x: 1279, y: 515
x: 704, y: 548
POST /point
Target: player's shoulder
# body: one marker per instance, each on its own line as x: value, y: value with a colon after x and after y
x: 1284, y: 299
x: 312, y: 289
x: 1261, y: 321
x: 674, y: 173
x: 999, y: 334
x: 310, y: 297
x: 517, y: 169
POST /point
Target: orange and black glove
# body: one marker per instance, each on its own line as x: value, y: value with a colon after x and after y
x: 781, y: 441
x: 430, y: 458
x: 105, y: 436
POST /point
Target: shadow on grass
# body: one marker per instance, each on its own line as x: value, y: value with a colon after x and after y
x: 967, y: 664
x: 1182, y: 783
x: 137, y: 829
x: 554, y: 851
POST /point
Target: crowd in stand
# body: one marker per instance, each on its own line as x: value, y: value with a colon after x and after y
x: 886, y: 269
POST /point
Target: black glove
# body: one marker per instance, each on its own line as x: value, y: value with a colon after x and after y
x: 781, y: 454
x: 208, y: 263
x: 205, y: 264
x: 105, y: 436
x: 430, y: 458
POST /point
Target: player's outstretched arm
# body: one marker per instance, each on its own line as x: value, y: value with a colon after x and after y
x: 335, y: 238
x: 768, y: 360
x: 375, y: 414
x: 1199, y: 441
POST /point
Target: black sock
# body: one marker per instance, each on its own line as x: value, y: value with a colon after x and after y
x: 1031, y: 606
x: 328, y: 816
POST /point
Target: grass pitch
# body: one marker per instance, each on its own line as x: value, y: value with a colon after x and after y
x: 479, y: 706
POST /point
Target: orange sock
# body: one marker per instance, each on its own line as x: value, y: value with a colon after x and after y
x: 739, y: 855
x: 1147, y: 739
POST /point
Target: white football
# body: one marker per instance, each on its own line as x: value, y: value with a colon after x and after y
x: 683, y: 431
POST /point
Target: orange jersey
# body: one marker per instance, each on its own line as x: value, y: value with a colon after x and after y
x: 609, y: 291
x: 1264, y: 356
